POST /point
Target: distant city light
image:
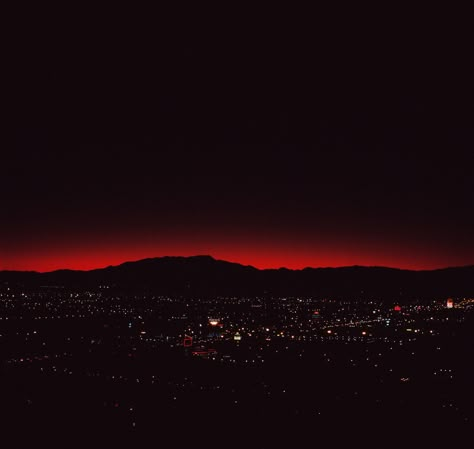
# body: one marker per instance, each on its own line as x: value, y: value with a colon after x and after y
x: 188, y: 341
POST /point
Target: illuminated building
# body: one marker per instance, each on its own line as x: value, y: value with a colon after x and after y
x: 203, y: 352
x: 449, y: 303
x: 237, y: 336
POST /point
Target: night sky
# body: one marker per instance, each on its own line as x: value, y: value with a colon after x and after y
x: 288, y: 149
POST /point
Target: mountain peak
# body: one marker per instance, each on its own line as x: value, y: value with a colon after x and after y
x: 203, y: 275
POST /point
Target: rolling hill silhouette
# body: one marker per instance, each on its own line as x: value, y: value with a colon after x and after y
x: 204, y: 276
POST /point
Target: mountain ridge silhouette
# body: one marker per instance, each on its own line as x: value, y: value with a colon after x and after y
x: 204, y: 275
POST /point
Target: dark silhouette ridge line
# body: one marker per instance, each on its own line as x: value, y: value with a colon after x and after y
x: 211, y: 258
x: 205, y: 276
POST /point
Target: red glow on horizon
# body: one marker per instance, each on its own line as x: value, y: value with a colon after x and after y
x: 94, y: 261
x: 259, y: 252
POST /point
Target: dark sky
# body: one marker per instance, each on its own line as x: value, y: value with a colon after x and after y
x: 287, y: 147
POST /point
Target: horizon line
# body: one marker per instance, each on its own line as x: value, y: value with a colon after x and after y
x: 237, y: 263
